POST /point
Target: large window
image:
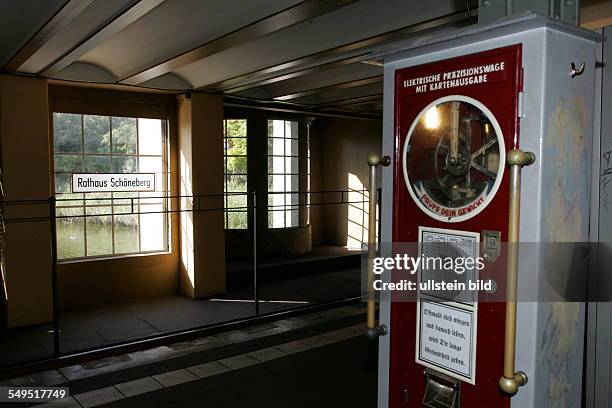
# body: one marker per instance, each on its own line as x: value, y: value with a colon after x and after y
x: 103, y: 224
x: 235, y: 156
x: 283, y: 188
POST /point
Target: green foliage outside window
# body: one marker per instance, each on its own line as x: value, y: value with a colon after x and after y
x: 104, y: 144
x: 235, y: 156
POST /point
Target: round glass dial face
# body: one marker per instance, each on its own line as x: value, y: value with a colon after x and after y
x: 454, y: 158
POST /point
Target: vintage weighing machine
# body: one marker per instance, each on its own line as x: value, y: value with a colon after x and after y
x: 488, y: 131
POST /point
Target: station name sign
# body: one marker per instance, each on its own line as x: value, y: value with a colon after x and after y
x: 493, y: 71
x: 112, y: 182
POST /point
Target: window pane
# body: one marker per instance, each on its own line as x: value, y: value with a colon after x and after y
x: 124, y: 198
x: 276, y: 165
x: 97, y: 199
x: 270, y: 146
x: 276, y: 219
x: 291, y: 129
x: 67, y: 129
x: 291, y: 165
x: 237, y: 220
x: 124, y: 135
x: 122, y: 207
x: 99, y: 231
x: 236, y: 183
x: 96, y: 132
x: 287, y: 129
x: 97, y: 164
x: 123, y: 164
x: 70, y: 233
x: 68, y: 163
x: 276, y: 128
x: 236, y: 127
x: 235, y: 146
x: 150, y: 136
x: 238, y: 201
x: 276, y: 182
x: 291, y: 147
x: 126, y: 231
x: 236, y: 213
x: 291, y: 183
x: 68, y: 199
x: 292, y: 199
x: 152, y: 228
x: 62, y: 183
x: 276, y: 146
x: 147, y: 198
x: 150, y: 165
x: 292, y: 218
x: 276, y: 200
x: 236, y: 165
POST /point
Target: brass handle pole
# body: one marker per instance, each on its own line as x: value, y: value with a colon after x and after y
x: 372, y: 330
x: 511, y: 379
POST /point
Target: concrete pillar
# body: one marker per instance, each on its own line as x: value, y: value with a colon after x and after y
x: 200, y: 130
x: 25, y: 144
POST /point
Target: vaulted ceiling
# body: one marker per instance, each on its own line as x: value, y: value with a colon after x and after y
x: 312, y: 53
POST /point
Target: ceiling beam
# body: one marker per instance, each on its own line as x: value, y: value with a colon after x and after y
x: 301, y: 12
x: 344, y: 85
x: 303, y: 65
x: 353, y: 100
x: 69, y: 10
x: 295, y: 74
x: 368, y: 107
x: 300, y: 109
x: 124, y: 18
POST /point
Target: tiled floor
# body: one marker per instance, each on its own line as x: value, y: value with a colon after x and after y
x: 175, y: 377
x: 139, y: 386
x: 124, y: 321
x: 111, y: 365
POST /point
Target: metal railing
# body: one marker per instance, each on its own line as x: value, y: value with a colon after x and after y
x: 174, y: 205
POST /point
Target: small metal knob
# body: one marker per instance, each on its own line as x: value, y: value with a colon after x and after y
x: 511, y: 385
x: 372, y: 333
x: 517, y: 157
x: 375, y: 159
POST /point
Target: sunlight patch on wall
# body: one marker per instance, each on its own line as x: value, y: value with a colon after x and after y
x: 357, y: 214
x: 186, y: 204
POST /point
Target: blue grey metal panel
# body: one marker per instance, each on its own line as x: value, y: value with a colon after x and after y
x: 591, y: 338
x: 441, y: 40
x: 602, y: 356
x: 386, y: 210
x: 565, y: 199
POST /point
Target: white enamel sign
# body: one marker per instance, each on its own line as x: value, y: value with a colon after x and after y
x: 112, y: 182
x: 447, y: 340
